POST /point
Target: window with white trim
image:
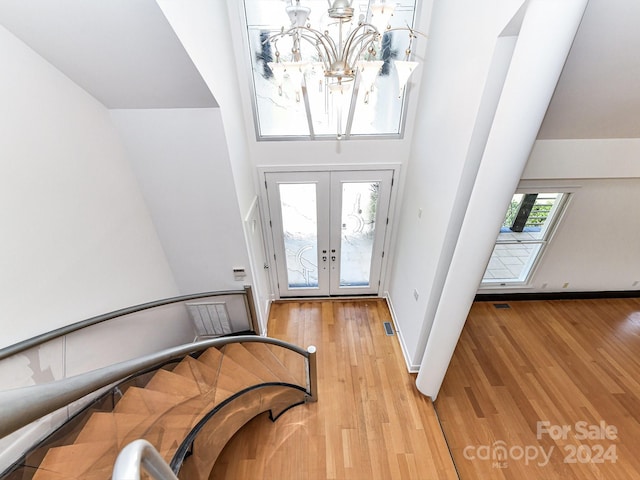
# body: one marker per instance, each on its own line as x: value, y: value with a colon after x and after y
x: 297, y: 103
x: 528, y: 224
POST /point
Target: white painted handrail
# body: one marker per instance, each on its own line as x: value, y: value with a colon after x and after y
x: 137, y: 455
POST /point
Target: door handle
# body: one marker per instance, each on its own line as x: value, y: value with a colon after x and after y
x: 324, y: 258
x: 333, y: 258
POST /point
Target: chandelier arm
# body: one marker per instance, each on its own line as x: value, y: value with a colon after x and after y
x: 413, y: 33
x: 314, y: 37
x: 326, y: 50
x: 357, y: 36
x: 292, y: 32
x: 277, y: 36
x: 364, y: 41
x: 325, y: 40
x: 315, y: 34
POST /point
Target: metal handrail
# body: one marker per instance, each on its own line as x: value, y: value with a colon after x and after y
x: 138, y: 454
x: 67, y: 329
x: 21, y: 406
x: 312, y: 372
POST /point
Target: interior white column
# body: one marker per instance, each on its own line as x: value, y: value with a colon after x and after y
x: 543, y: 44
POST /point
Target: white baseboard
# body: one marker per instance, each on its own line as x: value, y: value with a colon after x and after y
x: 410, y: 367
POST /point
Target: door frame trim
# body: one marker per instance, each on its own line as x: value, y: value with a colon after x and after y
x: 390, y: 232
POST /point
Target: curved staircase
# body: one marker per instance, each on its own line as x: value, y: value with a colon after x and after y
x: 188, y: 413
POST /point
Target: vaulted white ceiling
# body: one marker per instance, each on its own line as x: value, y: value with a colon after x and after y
x: 123, y: 52
x: 598, y: 95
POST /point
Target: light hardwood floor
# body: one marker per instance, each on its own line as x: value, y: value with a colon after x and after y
x: 370, y: 421
x: 572, y: 364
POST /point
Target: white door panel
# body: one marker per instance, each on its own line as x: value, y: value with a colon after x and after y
x: 328, y: 230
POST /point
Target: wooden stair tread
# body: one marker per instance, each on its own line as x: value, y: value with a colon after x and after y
x: 231, y: 368
x: 99, y: 474
x: 222, y: 393
x: 211, y: 357
x: 99, y: 424
x: 49, y: 475
x: 79, y: 460
x: 242, y: 356
x: 167, y: 434
x: 263, y: 353
x: 201, y: 373
x: 142, y: 400
x: 169, y: 382
x: 230, y: 383
x: 167, y: 409
x: 118, y: 427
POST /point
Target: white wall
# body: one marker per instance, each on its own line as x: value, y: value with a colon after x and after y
x: 462, y: 41
x: 579, y: 158
x: 254, y: 230
x: 77, y: 238
x: 204, y: 28
x: 211, y: 33
x: 595, y: 245
x: 181, y: 159
x: 543, y: 43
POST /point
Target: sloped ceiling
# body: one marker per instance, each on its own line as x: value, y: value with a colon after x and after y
x: 123, y: 52
x: 598, y: 94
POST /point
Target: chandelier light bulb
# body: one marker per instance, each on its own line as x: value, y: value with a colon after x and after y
x: 404, y: 69
x: 298, y: 14
x: 278, y: 74
x: 381, y: 14
x: 295, y: 72
x: 368, y: 72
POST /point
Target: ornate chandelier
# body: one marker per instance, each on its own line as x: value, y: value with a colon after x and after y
x: 351, y: 62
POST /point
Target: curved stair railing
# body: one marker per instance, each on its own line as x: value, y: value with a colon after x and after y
x: 80, y: 347
x: 230, y: 411
x: 246, y: 293
x: 21, y: 406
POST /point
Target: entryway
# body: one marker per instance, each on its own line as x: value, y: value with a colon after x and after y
x: 328, y: 230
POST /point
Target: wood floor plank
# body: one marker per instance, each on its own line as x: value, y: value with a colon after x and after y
x: 572, y: 364
x: 370, y: 421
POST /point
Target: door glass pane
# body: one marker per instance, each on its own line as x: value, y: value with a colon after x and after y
x: 359, y: 203
x: 300, y: 233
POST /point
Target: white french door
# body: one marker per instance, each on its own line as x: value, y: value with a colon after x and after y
x: 328, y: 230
